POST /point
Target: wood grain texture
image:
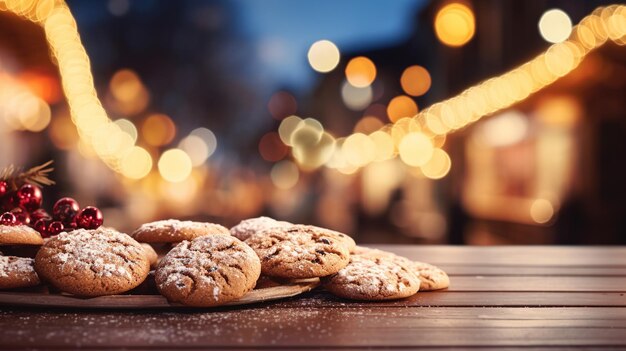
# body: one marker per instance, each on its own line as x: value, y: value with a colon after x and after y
x: 306, y: 326
x: 511, y: 298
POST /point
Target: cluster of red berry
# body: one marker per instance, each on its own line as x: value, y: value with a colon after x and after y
x: 23, y: 206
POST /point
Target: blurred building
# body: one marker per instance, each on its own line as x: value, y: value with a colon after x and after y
x: 544, y: 171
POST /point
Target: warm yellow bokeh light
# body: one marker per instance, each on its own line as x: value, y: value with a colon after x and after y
x: 384, y: 145
x: 158, y: 130
x: 541, y: 211
x: 361, y: 72
x: 555, y: 26
x: 358, y: 150
x: 438, y: 166
x: 137, y: 163
x: 415, y: 149
x: 307, y: 133
x: 323, y: 56
x: 125, y: 85
x: 368, y: 124
x: 287, y: 127
x: 415, y: 80
x: 455, y: 24
x: 285, y: 175
x: 310, y: 157
x: 175, y: 165
x: 400, y: 107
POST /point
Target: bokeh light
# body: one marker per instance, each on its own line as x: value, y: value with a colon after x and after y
x: 285, y: 175
x: 175, y: 165
x: 368, y: 124
x: 415, y: 149
x: 415, y: 80
x: 541, y: 211
x: 323, y: 56
x: 282, y: 104
x: 208, y: 137
x: 356, y: 98
x: 438, y: 166
x: 455, y: 24
x: 272, y: 148
x: 400, y: 107
x: 158, y: 130
x: 137, y: 163
x: 287, y: 127
x: 361, y: 72
x: 358, y: 150
x: 196, y: 148
x: 555, y: 26
x: 312, y: 156
x: 127, y: 127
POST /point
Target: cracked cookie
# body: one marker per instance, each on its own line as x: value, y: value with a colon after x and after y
x: 92, y: 262
x: 17, y: 272
x: 19, y: 235
x: 300, y: 251
x: 208, y: 271
x: 250, y: 226
x: 175, y: 231
x: 373, y: 278
x: 431, y: 277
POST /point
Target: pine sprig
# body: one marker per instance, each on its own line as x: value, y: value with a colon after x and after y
x: 38, y: 175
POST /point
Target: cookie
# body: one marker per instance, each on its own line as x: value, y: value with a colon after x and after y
x: 19, y: 235
x: 92, y: 262
x: 151, y: 255
x: 175, y: 231
x: 247, y: 227
x: 374, y: 279
x: 431, y: 277
x: 17, y: 272
x: 299, y: 251
x: 208, y: 271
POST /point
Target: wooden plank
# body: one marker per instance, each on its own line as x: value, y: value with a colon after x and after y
x: 605, y: 256
x: 323, y: 299
x: 532, y: 283
x: 456, y: 270
x: 408, y: 327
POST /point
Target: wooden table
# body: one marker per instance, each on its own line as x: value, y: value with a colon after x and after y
x: 519, y: 298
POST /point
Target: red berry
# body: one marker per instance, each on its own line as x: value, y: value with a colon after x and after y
x: 65, y: 209
x: 89, y: 218
x: 39, y: 214
x: 4, y: 188
x: 30, y: 197
x: 9, y: 201
x: 21, y: 216
x: 41, y: 225
x: 55, y: 228
x: 8, y: 218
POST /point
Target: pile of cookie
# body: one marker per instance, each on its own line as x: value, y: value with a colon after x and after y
x: 206, y: 264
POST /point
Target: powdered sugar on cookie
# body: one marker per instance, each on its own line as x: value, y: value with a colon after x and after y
x: 251, y: 226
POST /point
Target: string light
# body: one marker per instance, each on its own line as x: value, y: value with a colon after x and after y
x: 418, y: 137
x: 112, y: 142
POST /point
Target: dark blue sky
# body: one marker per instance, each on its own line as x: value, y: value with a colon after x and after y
x: 280, y: 31
x: 283, y: 30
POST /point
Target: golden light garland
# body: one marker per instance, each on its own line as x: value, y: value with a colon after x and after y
x: 114, y: 143
x: 418, y: 140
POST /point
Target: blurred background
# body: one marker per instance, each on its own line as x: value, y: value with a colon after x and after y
x: 409, y: 121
